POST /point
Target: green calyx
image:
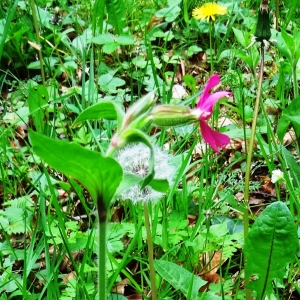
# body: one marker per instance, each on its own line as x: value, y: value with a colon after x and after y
x: 171, y: 115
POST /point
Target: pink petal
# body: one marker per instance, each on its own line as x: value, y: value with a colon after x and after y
x: 211, y: 83
x: 210, y: 101
x: 214, y: 138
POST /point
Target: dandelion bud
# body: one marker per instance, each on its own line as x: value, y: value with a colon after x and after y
x: 172, y: 115
x: 263, y: 31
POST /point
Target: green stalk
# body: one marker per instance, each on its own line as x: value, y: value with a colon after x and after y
x: 276, y: 14
x: 36, y: 27
x: 102, y: 219
x: 210, y: 46
x: 250, y: 153
x: 150, y: 252
x: 295, y: 81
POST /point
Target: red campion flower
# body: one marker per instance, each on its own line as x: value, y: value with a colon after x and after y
x: 204, y: 110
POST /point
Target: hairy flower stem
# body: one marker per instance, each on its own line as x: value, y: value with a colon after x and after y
x: 150, y: 252
x: 250, y: 153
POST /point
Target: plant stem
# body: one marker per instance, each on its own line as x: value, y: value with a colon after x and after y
x: 102, y: 219
x: 211, y: 49
x: 250, y: 153
x: 36, y: 27
x: 295, y: 81
x: 150, y: 252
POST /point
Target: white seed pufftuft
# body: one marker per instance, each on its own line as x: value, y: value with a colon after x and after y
x: 135, y: 159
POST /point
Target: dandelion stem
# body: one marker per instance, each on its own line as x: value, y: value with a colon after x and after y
x: 250, y: 154
x: 150, y: 252
x: 211, y: 49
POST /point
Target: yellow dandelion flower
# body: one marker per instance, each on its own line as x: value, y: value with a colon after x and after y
x: 209, y: 10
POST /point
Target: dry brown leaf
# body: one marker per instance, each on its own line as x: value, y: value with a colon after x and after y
x: 255, y: 201
x: 68, y: 276
x: 211, y: 262
x: 289, y: 137
x: 119, y: 287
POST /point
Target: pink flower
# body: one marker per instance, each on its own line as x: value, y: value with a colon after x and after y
x: 204, y: 111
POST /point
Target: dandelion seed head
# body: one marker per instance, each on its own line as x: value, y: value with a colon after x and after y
x: 135, y: 159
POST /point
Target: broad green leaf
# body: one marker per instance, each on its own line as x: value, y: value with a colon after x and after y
x: 290, y: 114
x: 180, y: 278
x: 103, y: 39
x: 18, y: 117
x: 240, y: 36
x: 293, y: 166
x: 270, y: 246
x: 103, y: 110
x: 110, y: 48
x: 289, y: 40
x: 109, y: 83
x: 294, y: 119
x: 171, y: 12
x: 116, y: 11
x: 282, y: 127
x: 281, y: 45
x: 107, y: 38
x: 37, y: 100
x: 100, y: 175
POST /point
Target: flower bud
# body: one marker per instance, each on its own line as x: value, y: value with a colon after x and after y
x: 263, y: 31
x: 172, y: 115
x: 138, y: 108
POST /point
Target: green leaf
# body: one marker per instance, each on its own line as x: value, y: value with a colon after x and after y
x: 100, y: 175
x: 271, y: 245
x: 171, y: 12
x: 291, y: 113
x: 293, y: 165
x: 109, y: 83
x: 37, y: 100
x: 294, y: 119
x: 107, y: 38
x: 289, y: 40
x: 180, y: 278
x: 129, y: 180
x: 240, y: 36
x: 110, y: 48
x: 190, y: 81
x: 282, y: 45
x: 103, y: 110
x: 116, y: 11
x: 282, y: 127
